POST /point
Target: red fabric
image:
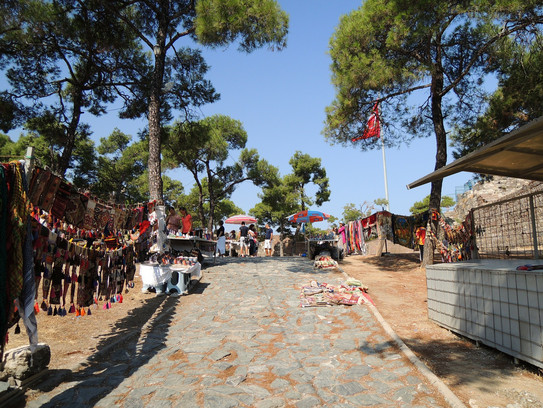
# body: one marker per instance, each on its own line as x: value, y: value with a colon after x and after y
x: 186, y: 222
x: 144, y: 226
x: 373, y: 127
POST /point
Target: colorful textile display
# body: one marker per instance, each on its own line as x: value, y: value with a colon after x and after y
x: 17, y: 281
x: 457, y: 244
x: 324, y: 262
x: 322, y: 294
x: 402, y: 228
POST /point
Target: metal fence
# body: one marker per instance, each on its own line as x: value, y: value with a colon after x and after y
x: 511, y: 228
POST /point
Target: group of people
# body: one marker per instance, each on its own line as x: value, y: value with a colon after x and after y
x: 178, y: 222
x: 248, y: 241
x: 182, y: 222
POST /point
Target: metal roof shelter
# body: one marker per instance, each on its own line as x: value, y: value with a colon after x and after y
x: 518, y: 154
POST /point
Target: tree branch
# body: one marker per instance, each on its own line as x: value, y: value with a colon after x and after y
x: 503, y: 33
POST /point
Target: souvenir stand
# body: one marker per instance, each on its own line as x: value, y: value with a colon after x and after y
x: 62, y: 252
x: 175, y: 262
x: 190, y: 244
x: 328, y: 243
x: 171, y: 278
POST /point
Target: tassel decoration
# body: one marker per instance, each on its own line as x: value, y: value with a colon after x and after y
x: 88, y: 312
x: 55, y: 312
x: 50, y: 311
x: 72, y: 308
x: 17, y: 329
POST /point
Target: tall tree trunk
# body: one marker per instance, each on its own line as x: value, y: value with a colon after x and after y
x: 71, y: 133
x: 155, y: 148
x: 212, y: 198
x: 441, y: 160
x: 201, y: 213
x: 281, y: 250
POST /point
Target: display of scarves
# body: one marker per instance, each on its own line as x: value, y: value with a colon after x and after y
x: 38, y: 183
x: 384, y: 220
x: 48, y: 196
x: 26, y: 300
x: 402, y: 228
x: 361, y: 240
x: 17, y: 265
x: 4, y: 305
x: 89, y: 214
x: 62, y: 197
x: 75, y: 209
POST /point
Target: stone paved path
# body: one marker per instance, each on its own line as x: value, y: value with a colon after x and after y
x: 242, y: 340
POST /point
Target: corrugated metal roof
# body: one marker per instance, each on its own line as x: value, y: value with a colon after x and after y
x: 518, y: 154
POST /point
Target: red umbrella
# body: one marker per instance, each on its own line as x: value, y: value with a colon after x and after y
x: 308, y: 216
x: 238, y: 219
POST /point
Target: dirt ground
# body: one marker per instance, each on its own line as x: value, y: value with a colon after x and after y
x: 74, y: 338
x: 479, y: 376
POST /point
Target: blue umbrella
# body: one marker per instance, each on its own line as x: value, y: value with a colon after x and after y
x: 308, y: 216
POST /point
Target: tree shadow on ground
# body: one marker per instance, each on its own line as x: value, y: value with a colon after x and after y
x: 118, y: 355
x: 461, y: 362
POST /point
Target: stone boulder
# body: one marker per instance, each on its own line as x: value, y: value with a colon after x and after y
x: 21, y: 363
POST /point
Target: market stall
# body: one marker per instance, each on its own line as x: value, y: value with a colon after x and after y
x: 316, y: 246
x: 170, y: 278
x: 188, y: 244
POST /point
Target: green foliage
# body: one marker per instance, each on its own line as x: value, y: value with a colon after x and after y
x: 84, y: 161
x: 287, y: 195
x: 204, y: 148
x: 70, y: 57
x: 278, y: 201
x: 423, y: 206
x: 386, y: 50
x: 305, y: 170
x: 352, y: 213
x: 254, y: 23
x: 8, y: 147
x: 176, y: 79
x: 121, y: 165
x: 381, y: 202
x: 518, y: 99
x: 389, y: 50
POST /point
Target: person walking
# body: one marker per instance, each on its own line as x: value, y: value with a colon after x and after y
x: 343, y: 238
x: 253, y: 242
x: 267, y: 240
x: 243, y: 240
x: 221, y: 239
x: 420, y: 235
x: 186, y: 221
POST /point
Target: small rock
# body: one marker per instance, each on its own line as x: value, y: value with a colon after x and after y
x: 21, y: 363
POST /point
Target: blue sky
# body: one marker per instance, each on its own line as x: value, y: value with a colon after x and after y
x: 280, y: 97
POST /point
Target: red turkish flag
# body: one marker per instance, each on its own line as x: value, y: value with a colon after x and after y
x: 373, y: 127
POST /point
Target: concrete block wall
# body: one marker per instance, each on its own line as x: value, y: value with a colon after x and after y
x: 491, y: 302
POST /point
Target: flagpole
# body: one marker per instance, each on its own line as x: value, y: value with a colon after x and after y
x: 385, y: 171
x: 373, y: 129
